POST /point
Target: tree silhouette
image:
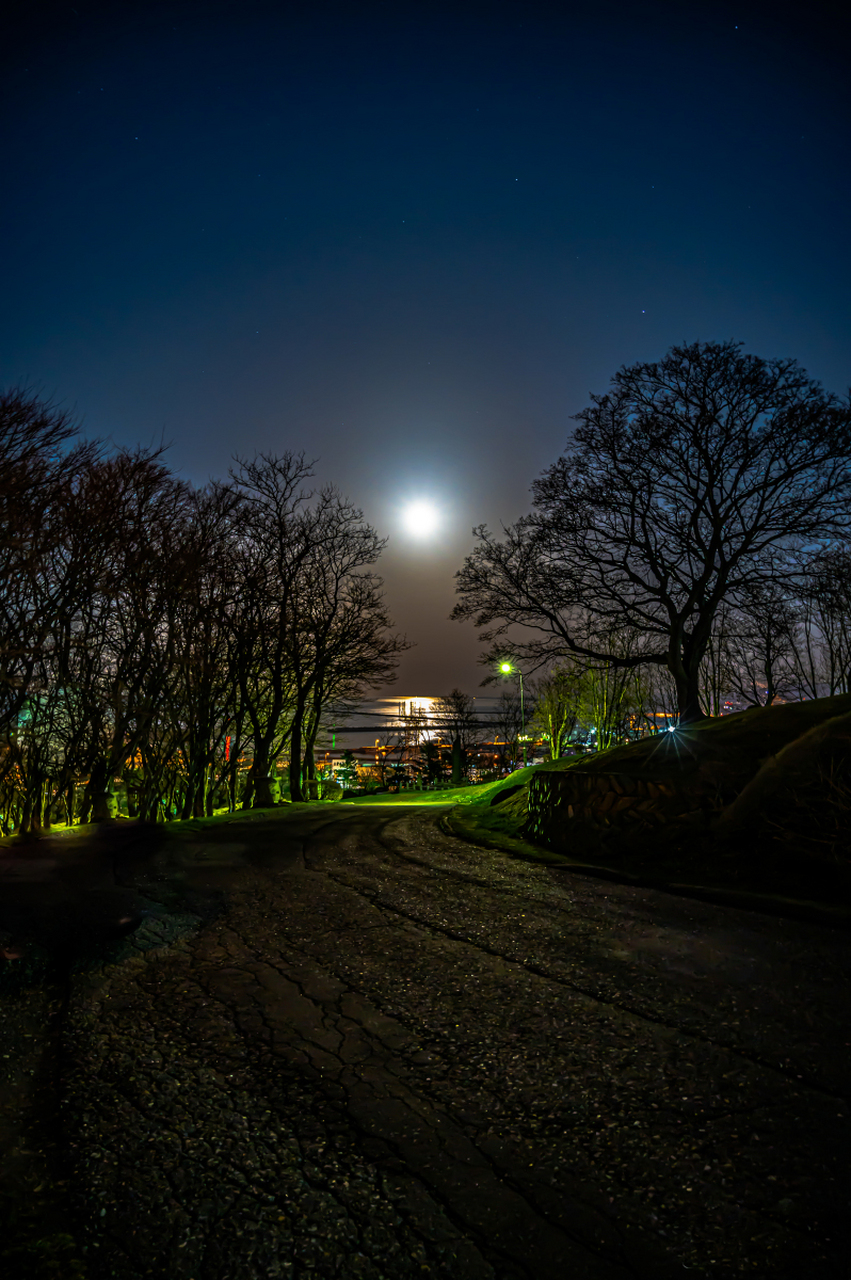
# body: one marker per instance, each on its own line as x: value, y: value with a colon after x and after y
x: 693, y: 482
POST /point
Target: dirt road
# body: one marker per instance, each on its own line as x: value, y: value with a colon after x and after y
x: 393, y: 1054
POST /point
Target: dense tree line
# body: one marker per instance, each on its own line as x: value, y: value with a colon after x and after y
x: 697, y: 527
x: 799, y: 650
x: 157, y: 634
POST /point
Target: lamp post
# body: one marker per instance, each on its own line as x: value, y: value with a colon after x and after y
x: 509, y: 669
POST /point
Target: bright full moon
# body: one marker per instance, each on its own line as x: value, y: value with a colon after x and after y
x: 420, y: 519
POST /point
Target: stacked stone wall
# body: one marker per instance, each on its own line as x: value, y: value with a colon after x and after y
x: 576, y: 804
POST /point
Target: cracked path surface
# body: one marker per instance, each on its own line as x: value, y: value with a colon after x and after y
x: 393, y: 1054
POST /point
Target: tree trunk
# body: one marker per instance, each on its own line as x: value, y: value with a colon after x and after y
x: 266, y: 787
x: 104, y: 806
x: 85, y: 807
x: 266, y: 792
x: 95, y: 787
x: 296, y: 791
x: 149, y: 806
x: 689, y: 710
x: 29, y: 820
x: 310, y: 786
x: 47, y: 818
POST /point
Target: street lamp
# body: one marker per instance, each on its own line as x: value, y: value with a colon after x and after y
x: 509, y: 669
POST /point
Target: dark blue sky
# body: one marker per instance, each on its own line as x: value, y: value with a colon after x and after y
x: 410, y: 239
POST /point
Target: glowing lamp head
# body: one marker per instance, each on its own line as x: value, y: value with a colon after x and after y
x: 506, y: 668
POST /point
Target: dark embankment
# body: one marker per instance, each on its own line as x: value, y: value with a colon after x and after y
x: 758, y: 802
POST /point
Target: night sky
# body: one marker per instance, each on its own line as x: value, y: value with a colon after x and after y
x: 411, y: 239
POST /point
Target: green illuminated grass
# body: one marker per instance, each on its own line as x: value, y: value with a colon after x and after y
x: 483, y: 793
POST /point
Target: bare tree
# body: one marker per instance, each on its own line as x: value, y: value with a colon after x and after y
x: 558, y: 705
x: 760, y: 644
x: 308, y: 620
x: 717, y: 671
x: 39, y: 466
x: 342, y: 643
x: 823, y: 655
x: 353, y: 649
x: 508, y: 724
x: 145, y: 562
x: 455, y: 715
x: 201, y: 693
x: 693, y: 482
x: 150, y: 630
x: 101, y: 567
x: 270, y: 557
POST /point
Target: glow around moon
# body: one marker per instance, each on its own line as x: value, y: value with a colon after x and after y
x: 420, y: 518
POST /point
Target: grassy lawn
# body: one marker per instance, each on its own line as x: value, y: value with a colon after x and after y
x: 481, y: 793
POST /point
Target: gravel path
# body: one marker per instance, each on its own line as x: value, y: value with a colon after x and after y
x: 392, y: 1054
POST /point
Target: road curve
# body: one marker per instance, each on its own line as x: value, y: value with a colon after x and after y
x: 392, y: 1054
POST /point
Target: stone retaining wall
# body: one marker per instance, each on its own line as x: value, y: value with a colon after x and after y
x: 564, y: 806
